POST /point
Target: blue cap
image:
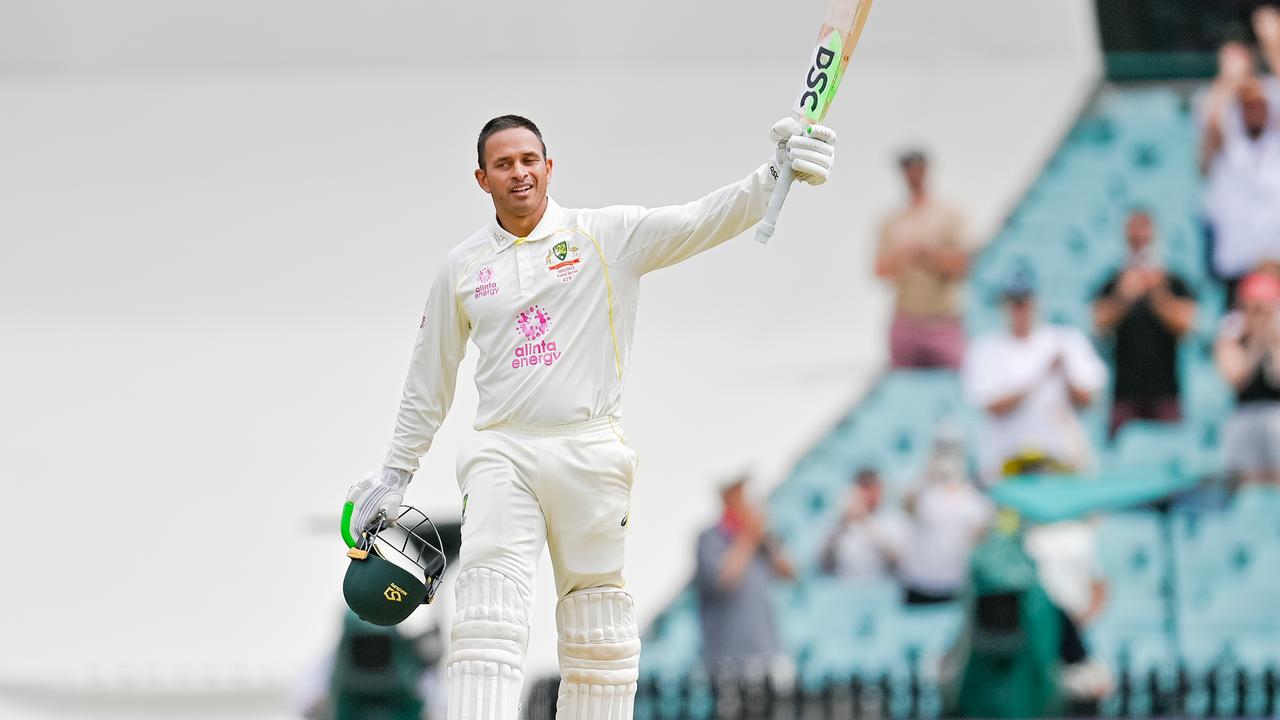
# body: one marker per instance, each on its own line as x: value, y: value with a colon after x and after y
x: 1020, y: 284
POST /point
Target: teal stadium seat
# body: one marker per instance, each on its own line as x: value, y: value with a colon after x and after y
x: 1134, y: 632
x: 1226, y: 586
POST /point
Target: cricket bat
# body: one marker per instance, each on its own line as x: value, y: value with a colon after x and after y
x: 836, y: 40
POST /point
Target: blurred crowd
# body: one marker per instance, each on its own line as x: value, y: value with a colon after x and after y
x: 1030, y: 380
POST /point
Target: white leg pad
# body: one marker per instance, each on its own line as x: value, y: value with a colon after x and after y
x: 486, y: 655
x: 599, y: 655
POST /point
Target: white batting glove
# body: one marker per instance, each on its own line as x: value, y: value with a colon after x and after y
x: 379, y: 490
x: 811, y: 154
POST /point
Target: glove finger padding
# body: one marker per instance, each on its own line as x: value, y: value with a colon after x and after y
x: 822, y: 133
x: 811, y: 166
x: 817, y: 145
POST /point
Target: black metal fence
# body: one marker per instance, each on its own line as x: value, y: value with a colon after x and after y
x: 1226, y: 691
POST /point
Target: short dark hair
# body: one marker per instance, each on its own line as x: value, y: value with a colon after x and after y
x: 911, y: 156
x: 866, y: 476
x: 505, y: 122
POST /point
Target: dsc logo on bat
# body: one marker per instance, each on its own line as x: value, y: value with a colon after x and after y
x: 821, y: 79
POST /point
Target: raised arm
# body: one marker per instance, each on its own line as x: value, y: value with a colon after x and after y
x: 1236, y: 361
x: 1235, y: 67
x: 1266, y: 27
x: 659, y: 237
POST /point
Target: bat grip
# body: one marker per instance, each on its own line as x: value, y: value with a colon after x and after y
x: 764, y: 230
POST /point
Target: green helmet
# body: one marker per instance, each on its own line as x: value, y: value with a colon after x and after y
x: 395, y: 567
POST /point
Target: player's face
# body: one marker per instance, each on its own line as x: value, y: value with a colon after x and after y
x: 515, y: 173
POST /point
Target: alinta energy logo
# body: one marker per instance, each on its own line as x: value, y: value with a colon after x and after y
x: 485, y: 286
x: 533, y: 324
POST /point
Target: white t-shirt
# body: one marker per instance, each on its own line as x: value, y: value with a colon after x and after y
x: 1067, y: 563
x: 998, y: 365
x: 552, y: 315
x: 945, y: 526
x: 864, y: 548
x: 1242, y: 197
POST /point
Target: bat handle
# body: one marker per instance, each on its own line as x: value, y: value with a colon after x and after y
x: 764, y: 230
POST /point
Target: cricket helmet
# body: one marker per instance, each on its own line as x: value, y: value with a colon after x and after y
x: 395, y: 566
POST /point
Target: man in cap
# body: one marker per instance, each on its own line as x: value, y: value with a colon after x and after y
x: 1031, y: 379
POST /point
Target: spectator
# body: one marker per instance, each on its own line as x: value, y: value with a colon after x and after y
x: 736, y: 560
x: 1070, y: 571
x: 1240, y: 155
x: 924, y: 251
x: 1031, y: 380
x: 1247, y: 352
x: 947, y: 516
x: 865, y: 544
x: 1146, y: 310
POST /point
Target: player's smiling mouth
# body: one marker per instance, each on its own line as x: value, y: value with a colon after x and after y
x: 522, y: 190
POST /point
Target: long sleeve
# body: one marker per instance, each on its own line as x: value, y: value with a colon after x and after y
x: 658, y: 237
x: 433, y: 373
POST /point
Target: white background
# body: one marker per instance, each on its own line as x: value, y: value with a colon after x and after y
x: 217, y: 221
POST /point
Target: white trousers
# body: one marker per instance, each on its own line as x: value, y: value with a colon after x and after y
x: 570, y: 489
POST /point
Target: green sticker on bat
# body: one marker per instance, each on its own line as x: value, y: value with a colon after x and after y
x: 823, y: 77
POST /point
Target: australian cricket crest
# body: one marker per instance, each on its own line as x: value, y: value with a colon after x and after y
x: 564, y: 260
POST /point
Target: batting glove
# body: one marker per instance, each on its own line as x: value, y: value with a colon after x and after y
x: 810, y: 152
x: 381, y: 490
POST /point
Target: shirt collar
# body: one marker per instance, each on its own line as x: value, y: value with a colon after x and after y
x: 547, y: 226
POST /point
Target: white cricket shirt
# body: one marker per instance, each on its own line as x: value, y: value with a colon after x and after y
x: 553, y: 314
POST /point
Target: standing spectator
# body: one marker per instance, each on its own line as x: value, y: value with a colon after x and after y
x: 924, y: 251
x: 736, y: 562
x: 1031, y: 379
x: 947, y: 516
x: 865, y: 544
x: 1146, y: 310
x: 1240, y: 155
x: 1247, y: 352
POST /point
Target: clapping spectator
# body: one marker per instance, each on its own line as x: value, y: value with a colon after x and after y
x: 946, y: 518
x: 865, y: 544
x: 737, y: 561
x: 1240, y: 155
x: 1145, y: 309
x: 1247, y: 352
x: 924, y: 251
x: 1031, y: 379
